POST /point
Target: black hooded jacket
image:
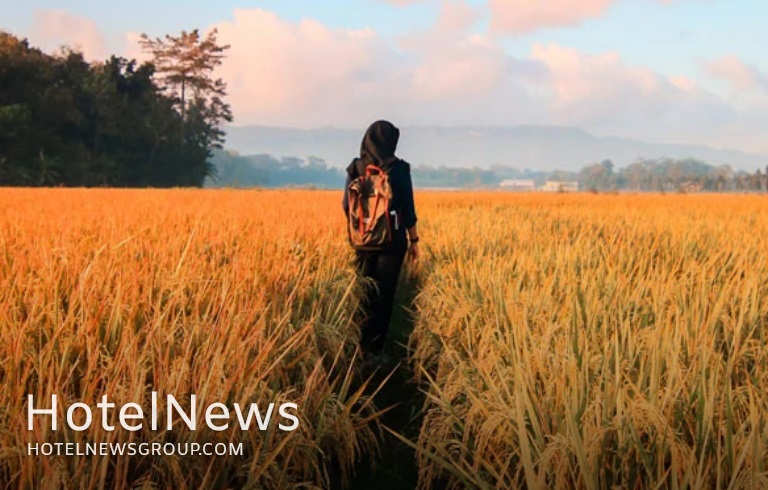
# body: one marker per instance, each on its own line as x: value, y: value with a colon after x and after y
x: 378, y: 148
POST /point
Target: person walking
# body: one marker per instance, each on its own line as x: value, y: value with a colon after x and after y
x: 381, y: 221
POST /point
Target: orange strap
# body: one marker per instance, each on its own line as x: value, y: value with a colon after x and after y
x: 375, y: 208
x: 360, y: 216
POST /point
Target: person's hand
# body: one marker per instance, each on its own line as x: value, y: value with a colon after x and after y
x: 413, y: 252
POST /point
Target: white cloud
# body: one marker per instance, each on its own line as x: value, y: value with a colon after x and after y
x: 741, y: 76
x: 457, y: 15
x: 55, y: 28
x: 290, y: 73
x: 305, y: 74
x: 683, y: 83
x: 600, y: 92
x: 523, y: 16
x: 601, y: 81
x: 449, y: 63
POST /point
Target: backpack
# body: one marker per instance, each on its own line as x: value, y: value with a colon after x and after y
x: 370, y: 222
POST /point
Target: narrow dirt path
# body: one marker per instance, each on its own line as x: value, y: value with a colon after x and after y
x: 395, y: 467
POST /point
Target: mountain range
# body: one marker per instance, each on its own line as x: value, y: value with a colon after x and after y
x: 532, y: 147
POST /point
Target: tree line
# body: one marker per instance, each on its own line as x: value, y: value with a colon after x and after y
x: 233, y: 170
x: 67, y: 122
x: 644, y: 175
x: 668, y: 174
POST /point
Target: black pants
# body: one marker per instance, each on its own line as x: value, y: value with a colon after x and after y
x: 384, y: 269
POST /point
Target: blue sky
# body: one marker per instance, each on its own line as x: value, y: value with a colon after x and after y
x: 689, y: 71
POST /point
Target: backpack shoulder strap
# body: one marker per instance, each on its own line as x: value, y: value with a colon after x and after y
x: 353, y: 169
x: 371, y: 168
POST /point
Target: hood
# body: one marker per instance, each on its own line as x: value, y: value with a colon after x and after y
x: 378, y: 146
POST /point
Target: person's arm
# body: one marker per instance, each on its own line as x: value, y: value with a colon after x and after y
x: 410, y: 219
x: 413, y: 246
x: 409, y: 207
x: 413, y: 235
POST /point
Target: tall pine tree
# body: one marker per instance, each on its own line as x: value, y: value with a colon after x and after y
x: 184, y: 65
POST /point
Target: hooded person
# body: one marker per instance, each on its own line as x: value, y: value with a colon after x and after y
x: 383, y: 266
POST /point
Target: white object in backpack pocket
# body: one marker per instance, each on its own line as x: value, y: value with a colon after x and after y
x: 397, y: 223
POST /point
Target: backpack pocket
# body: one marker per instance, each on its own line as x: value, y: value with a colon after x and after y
x: 370, y: 221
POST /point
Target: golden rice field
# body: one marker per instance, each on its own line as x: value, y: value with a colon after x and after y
x: 595, y: 342
x: 234, y: 296
x: 563, y: 341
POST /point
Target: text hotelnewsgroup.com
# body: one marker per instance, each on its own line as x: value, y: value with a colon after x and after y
x: 134, y: 449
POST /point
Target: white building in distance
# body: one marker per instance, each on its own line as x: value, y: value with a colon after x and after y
x: 557, y: 186
x: 518, y: 185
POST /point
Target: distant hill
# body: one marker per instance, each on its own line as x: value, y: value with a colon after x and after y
x: 540, y: 148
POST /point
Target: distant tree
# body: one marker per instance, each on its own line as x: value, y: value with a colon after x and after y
x: 608, y: 166
x: 64, y: 121
x: 763, y: 184
x: 185, y: 66
x: 723, y: 175
x: 598, y: 176
x: 757, y: 180
x: 562, y: 176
